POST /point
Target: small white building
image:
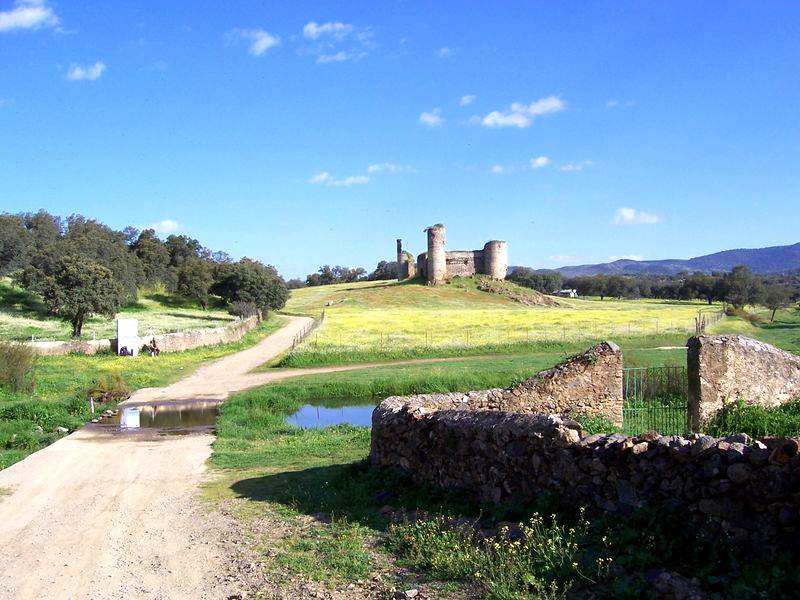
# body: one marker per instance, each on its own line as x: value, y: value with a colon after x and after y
x: 128, y: 337
x: 567, y: 293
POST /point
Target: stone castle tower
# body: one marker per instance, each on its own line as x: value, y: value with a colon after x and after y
x: 437, y: 265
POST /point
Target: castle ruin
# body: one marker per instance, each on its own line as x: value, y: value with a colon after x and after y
x: 437, y: 265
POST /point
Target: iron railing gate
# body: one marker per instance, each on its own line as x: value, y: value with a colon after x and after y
x: 655, y: 399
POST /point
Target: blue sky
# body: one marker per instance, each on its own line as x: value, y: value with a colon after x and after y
x: 304, y: 133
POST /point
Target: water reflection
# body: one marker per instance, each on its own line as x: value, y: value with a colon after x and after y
x: 312, y: 416
x: 167, y: 415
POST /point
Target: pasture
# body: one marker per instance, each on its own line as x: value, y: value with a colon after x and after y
x: 23, y: 316
x: 383, y: 320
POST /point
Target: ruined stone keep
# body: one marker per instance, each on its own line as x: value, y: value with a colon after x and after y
x: 437, y: 265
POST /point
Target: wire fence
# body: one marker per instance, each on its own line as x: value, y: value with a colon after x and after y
x: 655, y: 399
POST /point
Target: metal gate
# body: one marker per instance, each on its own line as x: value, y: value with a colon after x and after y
x: 655, y: 399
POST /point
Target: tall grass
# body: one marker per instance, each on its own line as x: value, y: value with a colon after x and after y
x: 17, y: 367
x: 757, y: 421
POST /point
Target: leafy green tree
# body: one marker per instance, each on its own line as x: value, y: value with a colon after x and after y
x: 183, y: 249
x: 251, y: 281
x: 14, y: 243
x: 384, y: 270
x: 98, y: 243
x: 616, y: 286
x: 154, y: 257
x: 546, y: 282
x: 194, y: 281
x: 776, y: 297
x: 79, y: 288
x: 743, y: 287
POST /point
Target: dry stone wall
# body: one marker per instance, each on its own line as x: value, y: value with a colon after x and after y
x: 726, y: 368
x: 167, y: 342
x: 586, y: 384
x: 748, y: 490
x: 186, y: 340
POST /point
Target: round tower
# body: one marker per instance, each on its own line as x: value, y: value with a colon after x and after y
x: 495, y: 259
x: 436, y: 269
x: 401, y: 268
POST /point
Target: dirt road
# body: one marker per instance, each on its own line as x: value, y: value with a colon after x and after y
x: 216, y: 380
x: 101, y: 515
x: 97, y: 515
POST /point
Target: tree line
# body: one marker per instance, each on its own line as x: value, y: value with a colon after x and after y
x: 82, y: 267
x: 328, y: 275
x: 740, y: 287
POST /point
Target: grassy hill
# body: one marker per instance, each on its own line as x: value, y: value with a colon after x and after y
x: 375, y: 320
x: 23, y: 315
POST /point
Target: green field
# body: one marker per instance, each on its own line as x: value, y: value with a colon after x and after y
x: 24, y: 317
x: 382, y: 320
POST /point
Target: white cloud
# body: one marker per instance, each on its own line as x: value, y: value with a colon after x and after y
x: 497, y: 169
x: 433, y: 118
x: 614, y: 103
x: 28, y: 14
x: 631, y: 216
x: 539, y: 162
x: 164, y: 227
x: 467, y: 99
x: 87, y: 72
x: 325, y: 178
x: 387, y: 167
x: 352, y: 180
x: 340, y: 56
x: 336, y: 42
x: 314, y: 31
x: 260, y: 40
x: 4, y: 102
x: 576, y: 166
x: 627, y: 257
x: 321, y: 177
x: 445, y: 52
x: 522, y: 115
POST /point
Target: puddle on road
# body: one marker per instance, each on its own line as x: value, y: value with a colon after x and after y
x: 166, y: 416
x: 313, y: 416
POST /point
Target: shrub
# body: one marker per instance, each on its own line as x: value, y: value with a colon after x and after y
x: 243, y: 309
x: 109, y: 387
x: 751, y: 318
x: 592, y: 424
x: 17, y: 367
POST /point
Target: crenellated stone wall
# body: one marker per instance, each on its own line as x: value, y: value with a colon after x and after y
x: 727, y: 368
x: 736, y: 487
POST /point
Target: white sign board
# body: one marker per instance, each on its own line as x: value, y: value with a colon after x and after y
x: 129, y: 418
x: 128, y: 336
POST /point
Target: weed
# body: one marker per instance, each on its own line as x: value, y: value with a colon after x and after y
x: 17, y: 367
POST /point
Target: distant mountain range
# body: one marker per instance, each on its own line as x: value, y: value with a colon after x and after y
x: 775, y: 259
